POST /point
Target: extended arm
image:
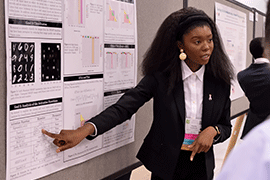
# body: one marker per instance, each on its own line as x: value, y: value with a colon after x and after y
x: 128, y: 104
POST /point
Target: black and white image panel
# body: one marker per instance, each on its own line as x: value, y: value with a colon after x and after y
x: 22, y: 62
x: 50, y: 62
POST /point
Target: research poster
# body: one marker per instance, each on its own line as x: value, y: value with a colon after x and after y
x: 232, y: 25
x: 66, y: 62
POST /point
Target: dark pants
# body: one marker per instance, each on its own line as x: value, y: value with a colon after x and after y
x: 188, y: 170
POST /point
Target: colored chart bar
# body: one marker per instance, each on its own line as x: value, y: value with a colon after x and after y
x: 80, y: 11
x: 93, y: 50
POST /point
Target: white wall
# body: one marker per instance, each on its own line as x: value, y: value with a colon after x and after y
x: 258, y: 4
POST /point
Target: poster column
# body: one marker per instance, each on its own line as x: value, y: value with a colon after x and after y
x: 232, y: 25
x: 66, y: 62
x: 34, y: 85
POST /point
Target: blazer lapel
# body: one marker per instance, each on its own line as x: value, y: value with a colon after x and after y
x: 179, y: 98
x: 208, y: 99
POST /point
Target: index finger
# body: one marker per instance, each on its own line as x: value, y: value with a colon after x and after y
x: 193, y: 154
x: 194, y: 149
x: 52, y: 135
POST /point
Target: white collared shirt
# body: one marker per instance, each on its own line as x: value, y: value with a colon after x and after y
x: 193, y: 89
x: 261, y: 61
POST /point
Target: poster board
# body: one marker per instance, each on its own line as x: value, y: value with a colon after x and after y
x: 233, y: 30
x: 122, y: 157
x: 66, y: 62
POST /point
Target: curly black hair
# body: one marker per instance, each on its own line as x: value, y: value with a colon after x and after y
x: 163, y: 53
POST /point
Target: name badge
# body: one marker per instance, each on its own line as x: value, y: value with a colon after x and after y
x: 192, y: 130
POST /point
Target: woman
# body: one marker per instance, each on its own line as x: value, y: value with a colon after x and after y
x: 191, y: 100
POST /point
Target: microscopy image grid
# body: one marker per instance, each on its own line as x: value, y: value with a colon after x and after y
x: 50, y: 62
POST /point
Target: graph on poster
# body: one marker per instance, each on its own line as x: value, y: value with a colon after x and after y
x: 126, y: 59
x: 112, y: 11
x: 127, y: 17
x: 119, y: 22
x: 112, y: 15
x: 76, y: 15
x: 111, y: 60
x: 90, y: 51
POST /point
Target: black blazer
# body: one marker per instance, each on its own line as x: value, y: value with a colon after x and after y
x: 255, y: 82
x: 161, y: 147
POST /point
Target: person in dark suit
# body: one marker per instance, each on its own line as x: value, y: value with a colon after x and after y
x: 250, y: 159
x: 190, y: 95
x: 255, y: 82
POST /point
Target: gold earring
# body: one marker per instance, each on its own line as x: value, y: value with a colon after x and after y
x: 182, y: 55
